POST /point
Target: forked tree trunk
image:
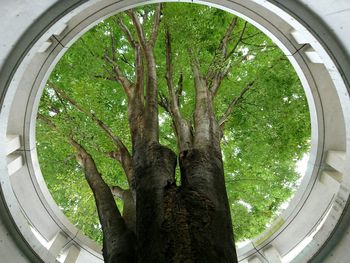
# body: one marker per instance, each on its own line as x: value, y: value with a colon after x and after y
x: 186, y: 223
x: 189, y: 223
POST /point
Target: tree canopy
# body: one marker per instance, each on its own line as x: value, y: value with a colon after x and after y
x: 259, y: 102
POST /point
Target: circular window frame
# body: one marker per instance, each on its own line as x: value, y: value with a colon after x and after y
x: 327, y: 97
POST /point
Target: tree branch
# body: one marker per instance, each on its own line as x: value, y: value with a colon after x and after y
x: 126, y: 31
x: 182, y: 128
x: 113, y: 45
x: 126, y: 61
x: 126, y: 159
x: 113, y: 225
x: 124, y: 81
x: 164, y: 103
x: 139, y: 74
x: 258, y: 46
x: 150, y: 120
x: 227, y: 35
x: 138, y: 27
x: 203, y: 114
x: 116, y: 234
x: 87, y: 47
x: 117, y: 191
x: 252, y: 35
x: 169, y: 75
x: 179, y: 89
x: 216, y: 73
x: 46, y: 120
x: 129, y: 208
x: 218, y: 78
x: 156, y: 23
x: 233, y: 103
x: 233, y: 50
x: 104, y: 77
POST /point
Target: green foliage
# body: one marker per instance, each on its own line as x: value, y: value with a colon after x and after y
x: 266, y: 134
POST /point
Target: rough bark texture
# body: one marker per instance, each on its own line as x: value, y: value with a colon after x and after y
x: 205, y: 199
x: 187, y: 223
x: 154, y: 172
x: 118, y: 239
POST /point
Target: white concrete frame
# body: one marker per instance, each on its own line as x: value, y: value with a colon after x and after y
x: 35, y: 35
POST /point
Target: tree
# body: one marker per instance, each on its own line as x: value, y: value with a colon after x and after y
x: 194, y: 86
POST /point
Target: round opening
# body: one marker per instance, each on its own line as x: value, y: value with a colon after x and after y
x: 260, y: 103
x: 319, y: 200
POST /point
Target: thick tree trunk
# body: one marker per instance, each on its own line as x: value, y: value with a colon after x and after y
x: 154, y: 169
x: 205, y: 200
x: 187, y: 223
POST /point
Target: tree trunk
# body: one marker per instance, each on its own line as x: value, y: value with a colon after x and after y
x: 187, y: 223
x: 154, y: 169
x: 204, y: 198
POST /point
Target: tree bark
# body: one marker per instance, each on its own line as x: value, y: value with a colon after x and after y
x: 187, y: 223
x: 154, y: 169
x: 129, y: 207
x: 118, y: 239
x: 204, y: 196
x: 181, y: 126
